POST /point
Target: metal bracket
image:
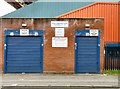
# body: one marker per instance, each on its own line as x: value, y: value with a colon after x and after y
x: 75, y: 46
x: 98, y: 44
x: 41, y: 44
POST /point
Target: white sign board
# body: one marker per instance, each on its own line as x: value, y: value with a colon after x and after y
x: 59, y: 23
x: 59, y: 42
x: 24, y: 32
x: 94, y: 32
x: 59, y: 32
x: 87, y: 34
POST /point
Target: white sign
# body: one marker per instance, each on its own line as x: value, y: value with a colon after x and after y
x: 59, y: 32
x: 59, y: 42
x: 24, y: 32
x: 94, y: 32
x: 59, y: 23
x: 87, y: 34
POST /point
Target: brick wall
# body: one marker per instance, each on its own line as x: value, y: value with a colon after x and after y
x: 57, y: 60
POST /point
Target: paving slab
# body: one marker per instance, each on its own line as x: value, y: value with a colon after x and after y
x: 59, y: 80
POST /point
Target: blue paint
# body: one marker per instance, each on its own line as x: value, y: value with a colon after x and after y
x: 98, y: 52
x: 80, y: 67
x: 113, y: 45
x: 17, y: 61
x: 17, y: 32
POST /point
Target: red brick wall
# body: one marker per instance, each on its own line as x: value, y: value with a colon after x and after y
x: 57, y: 60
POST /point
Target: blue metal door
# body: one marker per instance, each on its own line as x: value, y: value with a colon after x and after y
x: 24, y: 54
x: 87, y: 54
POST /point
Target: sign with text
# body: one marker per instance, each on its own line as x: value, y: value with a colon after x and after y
x: 59, y: 23
x: 59, y: 42
x: 94, y: 32
x: 24, y: 32
x: 59, y: 32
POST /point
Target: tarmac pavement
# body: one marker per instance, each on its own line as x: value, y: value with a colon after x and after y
x: 60, y: 87
x: 67, y: 80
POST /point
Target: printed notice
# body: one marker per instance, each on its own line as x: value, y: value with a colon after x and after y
x: 94, y: 32
x: 24, y: 32
x: 59, y: 42
x: 59, y: 32
x: 59, y: 23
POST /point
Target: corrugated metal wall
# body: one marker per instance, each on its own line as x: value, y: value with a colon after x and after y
x: 119, y: 20
x: 108, y: 11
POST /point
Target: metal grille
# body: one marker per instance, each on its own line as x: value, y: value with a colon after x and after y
x: 112, y: 58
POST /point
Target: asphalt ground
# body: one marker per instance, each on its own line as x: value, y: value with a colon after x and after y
x: 58, y: 87
x: 40, y: 80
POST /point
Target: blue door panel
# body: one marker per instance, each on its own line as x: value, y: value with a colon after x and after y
x: 30, y: 50
x: 24, y: 54
x: 23, y: 59
x: 86, y: 54
x: 23, y: 62
x: 24, y: 70
x: 35, y: 69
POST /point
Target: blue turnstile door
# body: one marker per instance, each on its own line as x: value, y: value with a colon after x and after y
x: 24, y: 54
x: 86, y: 54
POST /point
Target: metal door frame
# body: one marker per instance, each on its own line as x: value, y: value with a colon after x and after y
x: 17, y: 33
x: 83, y: 33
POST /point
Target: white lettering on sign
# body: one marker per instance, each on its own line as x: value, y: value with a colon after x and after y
x: 59, y: 23
x: 94, y: 32
x: 24, y: 32
x: 59, y: 32
x: 59, y: 42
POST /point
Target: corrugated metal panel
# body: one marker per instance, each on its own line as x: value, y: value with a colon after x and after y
x: 87, y: 52
x: 108, y: 11
x: 86, y: 55
x: 23, y: 54
x: 119, y: 20
x: 45, y: 9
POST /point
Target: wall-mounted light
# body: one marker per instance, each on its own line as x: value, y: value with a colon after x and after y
x: 104, y: 51
x: 24, y: 25
x: 87, y: 25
